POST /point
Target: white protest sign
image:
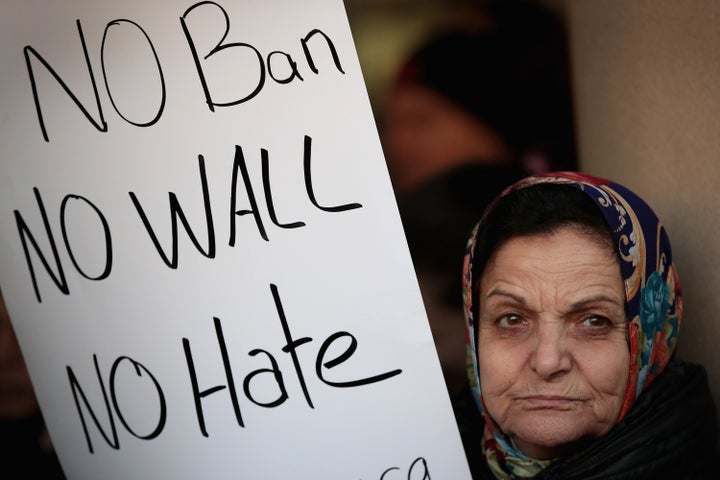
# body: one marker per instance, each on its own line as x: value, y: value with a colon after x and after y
x: 200, y: 247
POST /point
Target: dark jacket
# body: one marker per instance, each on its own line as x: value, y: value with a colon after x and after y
x: 670, y: 433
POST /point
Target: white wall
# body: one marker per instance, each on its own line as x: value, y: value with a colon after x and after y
x: 647, y: 86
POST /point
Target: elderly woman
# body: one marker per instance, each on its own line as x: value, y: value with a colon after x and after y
x: 573, y: 307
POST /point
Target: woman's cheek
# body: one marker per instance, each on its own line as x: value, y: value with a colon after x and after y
x: 500, y: 365
x: 605, y: 365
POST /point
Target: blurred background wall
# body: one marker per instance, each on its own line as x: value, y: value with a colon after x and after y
x: 646, y: 87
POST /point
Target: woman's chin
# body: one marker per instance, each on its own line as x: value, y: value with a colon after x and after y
x: 550, y: 435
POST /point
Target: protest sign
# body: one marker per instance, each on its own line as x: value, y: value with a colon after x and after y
x: 200, y: 248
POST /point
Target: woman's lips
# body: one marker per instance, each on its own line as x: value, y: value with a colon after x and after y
x: 554, y: 402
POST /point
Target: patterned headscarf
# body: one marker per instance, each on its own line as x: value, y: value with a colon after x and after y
x: 652, y: 293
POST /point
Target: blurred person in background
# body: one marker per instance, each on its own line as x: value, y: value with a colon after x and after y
x: 495, y: 90
x: 476, y: 107
x: 24, y: 442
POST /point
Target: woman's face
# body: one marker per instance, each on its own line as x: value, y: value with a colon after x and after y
x: 554, y: 359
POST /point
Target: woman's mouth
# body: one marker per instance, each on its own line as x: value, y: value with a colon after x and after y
x: 553, y: 402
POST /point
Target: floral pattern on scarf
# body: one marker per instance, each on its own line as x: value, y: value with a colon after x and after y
x: 653, y: 300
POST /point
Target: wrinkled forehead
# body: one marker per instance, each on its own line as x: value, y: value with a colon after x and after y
x: 638, y: 235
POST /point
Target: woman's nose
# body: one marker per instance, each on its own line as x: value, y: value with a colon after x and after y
x: 550, y: 357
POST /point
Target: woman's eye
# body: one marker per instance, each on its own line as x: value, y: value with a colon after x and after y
x: 596, y: 322
x: 510, y: 320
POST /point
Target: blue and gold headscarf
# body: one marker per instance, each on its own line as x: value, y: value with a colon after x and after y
x: 652, y: 294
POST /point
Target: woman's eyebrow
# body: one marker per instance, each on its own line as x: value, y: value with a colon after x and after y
x: 504, y: 293
x: 601, y: 298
